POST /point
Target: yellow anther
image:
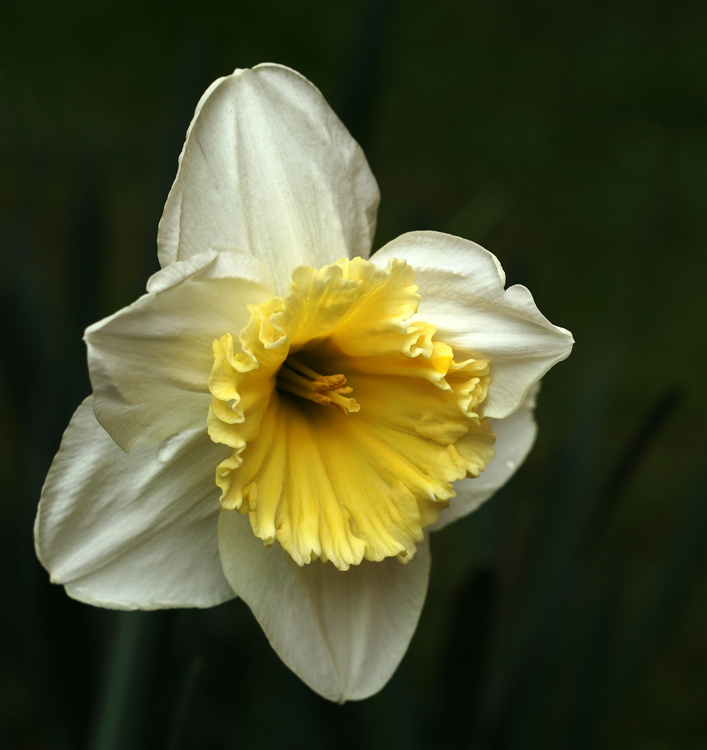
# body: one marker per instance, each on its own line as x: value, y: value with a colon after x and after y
x: 297, y: 378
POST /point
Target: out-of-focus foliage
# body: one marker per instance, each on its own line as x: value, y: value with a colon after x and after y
x: 568, y: 138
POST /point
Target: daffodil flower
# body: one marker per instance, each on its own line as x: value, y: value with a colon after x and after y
x: 340, y: 406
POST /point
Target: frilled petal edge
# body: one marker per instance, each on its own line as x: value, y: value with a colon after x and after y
x: 343, y: 633
x: 515, y: 436
x: 267, y: 166
x: 461, y: 286
x: 132, y: 530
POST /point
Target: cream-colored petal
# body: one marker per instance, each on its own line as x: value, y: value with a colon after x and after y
x: 150, y: 362
x: 343, y: 633
x: 132, y: 530
x: 267, y: 166
x: 515, y: 436
x: 461, y: 286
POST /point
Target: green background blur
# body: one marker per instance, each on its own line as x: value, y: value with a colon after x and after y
x: 570, y: 138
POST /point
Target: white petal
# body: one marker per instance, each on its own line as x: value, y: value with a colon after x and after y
x: 343, y: 633
x: 515, y: 436
x: 150, y: 362
x: 132, y: 530
x: 461, y: 285
x: 268, y: 166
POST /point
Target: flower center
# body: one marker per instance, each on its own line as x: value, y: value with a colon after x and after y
x: 328, y: 390
x: 333, y: 489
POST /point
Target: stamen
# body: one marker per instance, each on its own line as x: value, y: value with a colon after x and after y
x: 297, y: 378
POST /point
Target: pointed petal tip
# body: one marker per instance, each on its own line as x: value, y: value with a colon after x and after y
x: 315, y: 196
x: 342, y: 633
x: 462, y: 294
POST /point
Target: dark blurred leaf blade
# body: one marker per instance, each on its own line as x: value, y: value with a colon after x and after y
x: 513, y: 703
x: 667, y: 598
x: 124, y: 698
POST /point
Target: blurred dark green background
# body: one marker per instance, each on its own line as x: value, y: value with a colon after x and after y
x: 570, y: 138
